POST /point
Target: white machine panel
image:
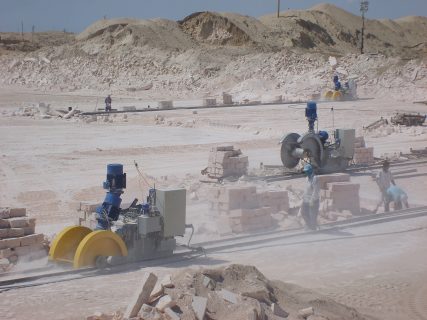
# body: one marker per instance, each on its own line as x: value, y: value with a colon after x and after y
x: 172, y: 206
x: 347, y: 137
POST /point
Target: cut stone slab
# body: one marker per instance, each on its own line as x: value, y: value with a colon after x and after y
x: 165, y: 302
x: 306, y: 312
x: 4, y: 213
x: 31, y: 239
x: 278, y: 311
x: 20, y: 222
x: 141, y: 296
x: 15, y: 232
x: 228, y: 296
x: 199, y: 306
x: 4, y: 223
x: 17, y: 212
x: 157, y: 292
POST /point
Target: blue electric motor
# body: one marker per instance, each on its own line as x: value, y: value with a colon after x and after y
x: 110, y: 208
x: 311, y: 114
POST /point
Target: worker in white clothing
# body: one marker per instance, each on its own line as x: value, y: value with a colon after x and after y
x: 384, y: 181
x: 310, y: 203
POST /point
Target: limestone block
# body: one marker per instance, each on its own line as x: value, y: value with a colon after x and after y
x: 165, y: 302
x: 17, y: 212
x: 4, y: 223
x: 21, y: 222
x: 31, y: 239
x: 209, y: 102
x: 227, y: 98
x: 29, y: 230
x: 3, y: 233
x: 10, y: 243
x: 141, y: 296
x: 228, y: 296
x: 4, y: 213
x: 15, y: 232
x: 6, y: 253
x: 166, y: 104
x: 199, y: 306
x: 336, y: 177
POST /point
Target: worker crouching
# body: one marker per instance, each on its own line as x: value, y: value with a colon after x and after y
x: 310, y: 203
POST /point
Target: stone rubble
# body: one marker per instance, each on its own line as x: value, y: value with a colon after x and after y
x: 239, y: 293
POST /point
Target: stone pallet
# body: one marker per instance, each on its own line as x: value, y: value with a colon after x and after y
x: 18, y: 238
x: 242, y: 209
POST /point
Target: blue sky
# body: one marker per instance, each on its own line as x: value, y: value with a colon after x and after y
x: 75, y: 15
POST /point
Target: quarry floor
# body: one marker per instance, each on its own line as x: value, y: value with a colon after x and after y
x: 50, y: 166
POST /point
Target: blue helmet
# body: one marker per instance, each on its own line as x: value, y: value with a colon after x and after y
x: 308, y: 169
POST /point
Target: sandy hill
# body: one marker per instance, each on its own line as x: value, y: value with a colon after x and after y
x: 206, y: 53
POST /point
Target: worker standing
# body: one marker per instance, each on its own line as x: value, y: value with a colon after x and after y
x: 384, y: 181
x: 310, y: 203
x: 337, y: 83
x: 108, y: 103
x: 399, y: 197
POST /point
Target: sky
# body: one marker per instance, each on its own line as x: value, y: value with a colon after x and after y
x: 76, y: 15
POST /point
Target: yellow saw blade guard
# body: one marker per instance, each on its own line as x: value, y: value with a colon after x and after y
x: 81, y: 246
x: 64, y: 245
x: 98, y: 243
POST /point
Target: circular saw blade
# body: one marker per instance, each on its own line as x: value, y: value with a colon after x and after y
x: 289, y: 144
x: 313, y: 148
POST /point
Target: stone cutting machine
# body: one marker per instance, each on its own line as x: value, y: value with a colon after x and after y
x: 140, y: 232
x: 315, y: 147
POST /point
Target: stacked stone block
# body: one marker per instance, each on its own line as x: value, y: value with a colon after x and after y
x: 362, y: 154
x: 227, y: 98
x: 209, y: 102
x: 339, y: 197
x: 86, y: 215
x: 17, y: 236
x: 242, y: 209
x: 224, y: 161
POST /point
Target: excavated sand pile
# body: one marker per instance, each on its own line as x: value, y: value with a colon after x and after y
x: 235, y: 292
x: 208, y: 53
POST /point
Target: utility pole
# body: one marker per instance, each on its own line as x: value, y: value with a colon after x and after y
x: 363, y: 9
x: 278, y: 8
x: 33, y: 28
x: 22, y: 29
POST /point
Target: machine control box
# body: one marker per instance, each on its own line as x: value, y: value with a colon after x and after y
x: 346, y: 138
x: 147, y: 224
x: 172, y: 206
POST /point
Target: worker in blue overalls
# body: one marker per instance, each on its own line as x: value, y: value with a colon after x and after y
x: 337, y: 83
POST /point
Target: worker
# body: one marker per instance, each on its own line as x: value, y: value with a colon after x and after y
x: 384, y: 181
x: 337, y: 83
x: 108, y: 103
x: 310, y: 203
x: 399, y: 197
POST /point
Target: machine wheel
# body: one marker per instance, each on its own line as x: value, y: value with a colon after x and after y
x: 65, y: 244
x: 288, y: 146
x: 101, y: 262
x: 96, y: 244
x: 337, y: 96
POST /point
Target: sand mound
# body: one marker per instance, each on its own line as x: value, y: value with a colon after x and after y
x: 213, y: 28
